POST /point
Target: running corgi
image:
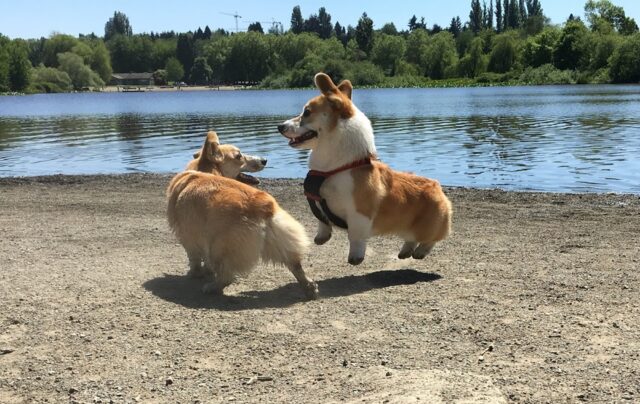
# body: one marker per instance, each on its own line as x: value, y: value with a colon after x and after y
x: 348, y: 187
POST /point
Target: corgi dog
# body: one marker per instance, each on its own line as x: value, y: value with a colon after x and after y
x: 225, y: 226
x: 348, y: 187
x: 226, y: 160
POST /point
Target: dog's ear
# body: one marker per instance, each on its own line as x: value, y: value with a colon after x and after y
x: 325, y: 84
x: 211, y: 147
x: 345, y: 88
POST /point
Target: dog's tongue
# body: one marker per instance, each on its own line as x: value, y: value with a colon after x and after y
x: 247, y: 179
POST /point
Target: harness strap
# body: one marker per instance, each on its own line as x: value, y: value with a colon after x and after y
x: 312, y: 184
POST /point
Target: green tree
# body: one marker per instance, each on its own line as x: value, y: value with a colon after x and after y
x: 81, y: 75
x: 185, y: 51
x: 625, y: 61
x: 175, y: 71
x: 499, y: 19
x: 248, y: 58
x: 538, y: 50
x: 56, y: 44
x: 297, y: 22
x: 117, y: 25
x: 364, y: 33
x: 439, y: 55
x: 416, y: 45
x: 201, y: 71
x: 571, y: 49
x: 324, y: 20
x: 4, y: 63
x: 49, y: 80
x: 389, y: 29
x: 504, y: 52
x: 475, y: 16
x: 387, y: 52
x: 19, y: 65
x: 455, y: 27
x: 474, y: 62
x: 255, y: 27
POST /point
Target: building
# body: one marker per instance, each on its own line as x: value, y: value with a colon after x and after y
x: 131, y: 79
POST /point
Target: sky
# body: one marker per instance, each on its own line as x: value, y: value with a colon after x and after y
x: 38, y: 18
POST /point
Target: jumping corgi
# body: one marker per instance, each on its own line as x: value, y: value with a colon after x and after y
x: 348, y: 187
x: 225, y: 226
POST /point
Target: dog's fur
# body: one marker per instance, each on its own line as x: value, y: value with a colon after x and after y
x: 226, y: 227
x: 373, y: 199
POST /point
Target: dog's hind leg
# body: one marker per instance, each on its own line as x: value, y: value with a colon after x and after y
x: 423, y: 250
x: 218, y: 279
x: 407, y: 249
x: 324, y: 233
x: 195, y: 265
x: 307, y: 284
x: 359, y: 231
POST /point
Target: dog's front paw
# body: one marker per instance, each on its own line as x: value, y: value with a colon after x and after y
x: 311, y: 290
x: 212, y: 288
x: 355, y: 260
x: 320, y: 239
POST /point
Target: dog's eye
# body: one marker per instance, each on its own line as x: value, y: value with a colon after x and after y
x: 238, y: 156
x: 306, y: 112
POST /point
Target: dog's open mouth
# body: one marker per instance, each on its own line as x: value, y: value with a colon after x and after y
x: 303, y: 138
x: 247, y: 179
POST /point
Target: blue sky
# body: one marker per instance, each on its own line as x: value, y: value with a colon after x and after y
x: 36, y: 18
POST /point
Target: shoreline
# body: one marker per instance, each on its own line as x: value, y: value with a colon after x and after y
x: 79, y: 178
x: 533, y: 298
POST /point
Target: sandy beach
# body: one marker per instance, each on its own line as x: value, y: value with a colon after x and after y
x: 533, y: 298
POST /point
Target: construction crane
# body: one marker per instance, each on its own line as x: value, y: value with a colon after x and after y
x: 236, y: 16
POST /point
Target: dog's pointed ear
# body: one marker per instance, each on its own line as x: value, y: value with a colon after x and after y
x: 325, y: 84
x: 345, y: 88
x: 211, y: 147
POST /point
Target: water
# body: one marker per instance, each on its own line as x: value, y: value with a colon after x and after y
x: 550, y: 138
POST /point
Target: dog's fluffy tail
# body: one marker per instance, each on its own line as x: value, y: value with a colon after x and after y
x: 286, y: 241
x: 175, y: 188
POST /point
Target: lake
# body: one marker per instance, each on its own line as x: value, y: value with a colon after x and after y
x: 547, y: 138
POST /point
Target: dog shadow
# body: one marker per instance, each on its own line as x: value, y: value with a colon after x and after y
x: 186, y: 291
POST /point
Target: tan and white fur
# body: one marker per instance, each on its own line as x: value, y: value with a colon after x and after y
x: 227, y: 227
x: 372, y: 199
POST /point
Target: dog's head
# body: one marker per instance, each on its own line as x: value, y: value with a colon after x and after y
x: 226, y: 160
x: 320, y: 115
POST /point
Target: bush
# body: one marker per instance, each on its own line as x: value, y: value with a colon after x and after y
x: 49, y: 80
x: 546, y: 74
x: 365, y: 74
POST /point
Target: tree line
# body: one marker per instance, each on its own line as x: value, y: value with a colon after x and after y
x: 509, y: 41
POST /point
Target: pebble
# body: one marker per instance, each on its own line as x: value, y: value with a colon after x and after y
x: 168, y: 381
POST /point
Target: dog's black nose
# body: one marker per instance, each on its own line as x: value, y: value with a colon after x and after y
x: 281, y: 128
x: 264, y: 162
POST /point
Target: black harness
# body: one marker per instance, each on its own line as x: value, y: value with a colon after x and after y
x: 318, y: 204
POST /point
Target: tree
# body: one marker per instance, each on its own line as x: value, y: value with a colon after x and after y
x: 324, y: 20
x: 100, y: 60
x: 455, y: 27
x: 513, y: 17
x: 503, y: 55
x: 200, y: 72
x: 387, y: 52
x: 499, y: 23
x: 625, y: 61
x: 297, y: 22
x: 19, y: 65
x: 255, y: 27
x: 389, y: 29
x: 538, y: 49
x: 81, y: 75
x: 185, y: 51
x: 475, y: 16
x: 412, y: 23
x: 488, y: 15
x: 50, y: 80
x: 523, y: 12
x: 439, y: 55
x: 57, y: 44
x: 174, y: 69
x: 207, y: 33
x: 312, y: 24
x: 364, y: 33
x: 4, y: 63
x: 571, y: 49
x: 474, y: 62
x: 118, y: 24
